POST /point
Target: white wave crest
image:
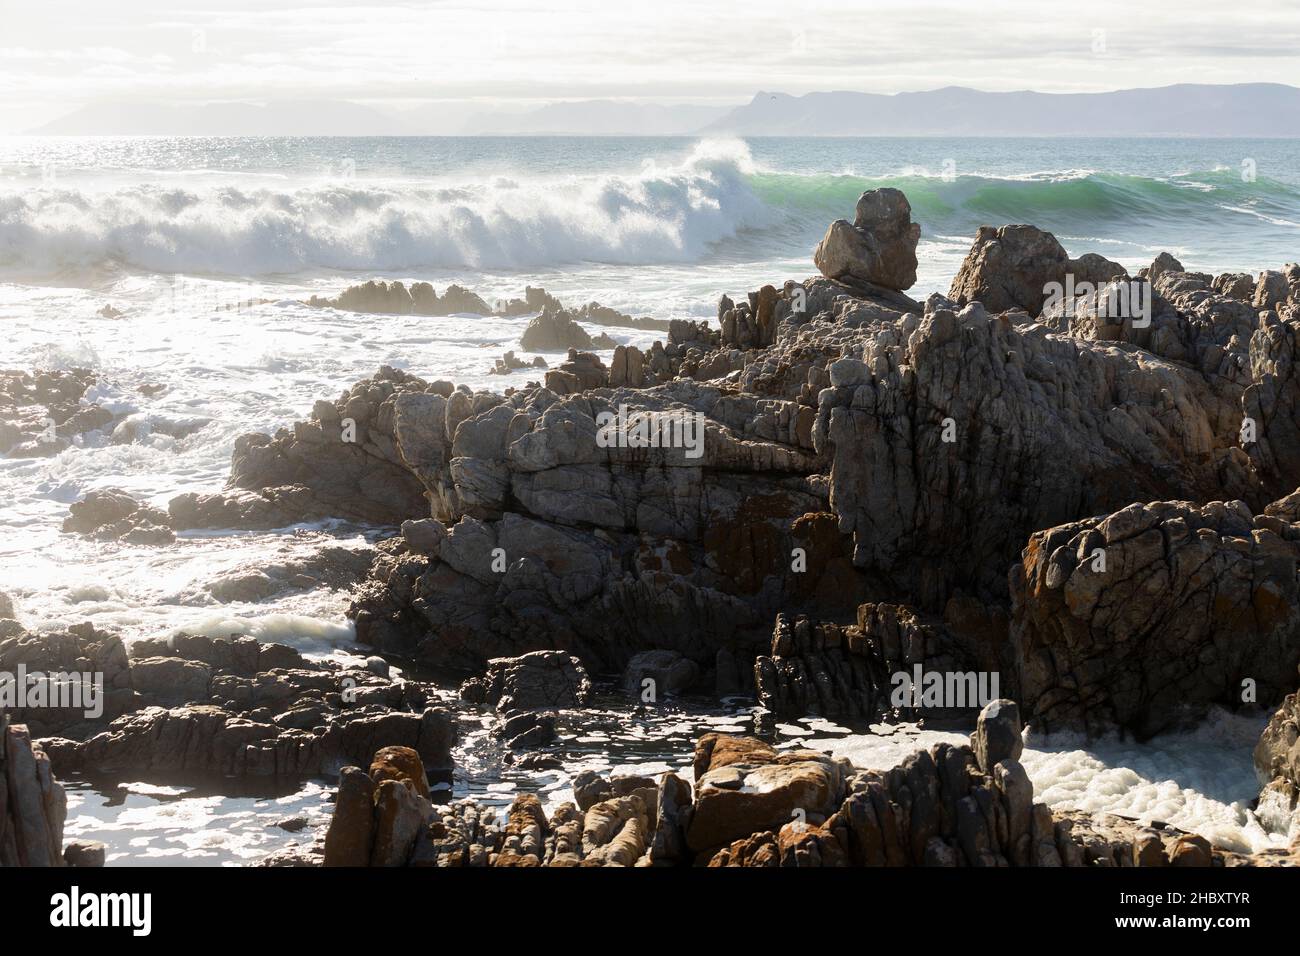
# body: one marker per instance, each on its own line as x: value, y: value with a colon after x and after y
x: 661, y: 214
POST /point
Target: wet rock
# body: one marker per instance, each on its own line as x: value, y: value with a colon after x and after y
x: 330, y: 567
x: 112, y: 515
x: 85, y: 853
x: 374, y: 296
x: 556, y: 330
x: 538, y: 680
x: 670, y: 672
x: 1191, y: 850
x: 615, y: 832
x: 81, y: 653
x: 997, y: 736
x: 1277, y: 762
x: 526, y: 730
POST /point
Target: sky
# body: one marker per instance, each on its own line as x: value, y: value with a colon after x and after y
x: 59, y: 55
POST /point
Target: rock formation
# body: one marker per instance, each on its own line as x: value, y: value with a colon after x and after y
x: 556, y: 330
x: 754, y: 806
x: 878, y: 248
x: 1144, y: 617
x: 33, y: 806
x: 198, y: 705
x: 1277, y: 761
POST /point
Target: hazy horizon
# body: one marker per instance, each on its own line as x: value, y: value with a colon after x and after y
x: 448, y: 63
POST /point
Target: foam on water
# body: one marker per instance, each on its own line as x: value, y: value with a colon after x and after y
x: 1202, y: 781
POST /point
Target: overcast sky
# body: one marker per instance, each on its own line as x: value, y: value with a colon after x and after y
x: 58, y: 55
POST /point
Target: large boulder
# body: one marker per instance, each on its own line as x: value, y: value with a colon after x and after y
x: 1144, y: 617
x: 745, y: 791
x: 1010, y: 268
x: 877, y: 248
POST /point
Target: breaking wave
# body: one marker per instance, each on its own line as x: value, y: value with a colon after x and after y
x: 713, y: 204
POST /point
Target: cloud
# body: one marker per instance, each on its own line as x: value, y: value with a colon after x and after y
x: 510, y: 49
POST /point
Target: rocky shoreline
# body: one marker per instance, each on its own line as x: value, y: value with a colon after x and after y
x: 835, y: 485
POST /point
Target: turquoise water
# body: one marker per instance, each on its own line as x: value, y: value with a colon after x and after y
x: 504, y: 207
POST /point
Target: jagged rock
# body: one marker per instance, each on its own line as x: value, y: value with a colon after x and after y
x: 1163, y: 263
x: 854, y: 670
x: 33, y: 806
x: 112, y: 515
x: 42, y: 414
x: 948, y: 412
x: 203, y: 739
x: 556, y: 330
x: 401, y: 764
x: 673, y: 809
x: 877, y: 248
x: 997, y: 735
x: 936, y: 808
x: 343, y: 463
x: 1271, y: 404
x: 537, y: 680
x: 627, y: 367
x: 330, y: 567
x: 350, y: 836
x: 598, y: 314
x: 1235, y: 285
x: 1095, y: 270
x: 1277, y: 762
x: 587, y: 492
x: 393, y: 298
x: 1144, y: 617
x: 82, y: 654
x: 195, y: 705
x: 457, y: 300
x: 534, y: 300
x: 526, y: 730
x: 400, y: 814
x: 1010, y: 268
x: 374, y: 296
x: 578, y: 373
x: 738, y: 797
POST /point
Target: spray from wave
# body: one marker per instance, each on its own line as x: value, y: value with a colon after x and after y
x: 716, y: 203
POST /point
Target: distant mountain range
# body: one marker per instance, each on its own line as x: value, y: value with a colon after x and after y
x: 1247, y: 109
x: 1243, y: 110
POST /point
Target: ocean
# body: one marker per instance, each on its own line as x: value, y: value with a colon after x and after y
x: 206, y: 248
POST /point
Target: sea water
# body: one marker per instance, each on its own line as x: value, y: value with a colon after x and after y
x: 207, y: 247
